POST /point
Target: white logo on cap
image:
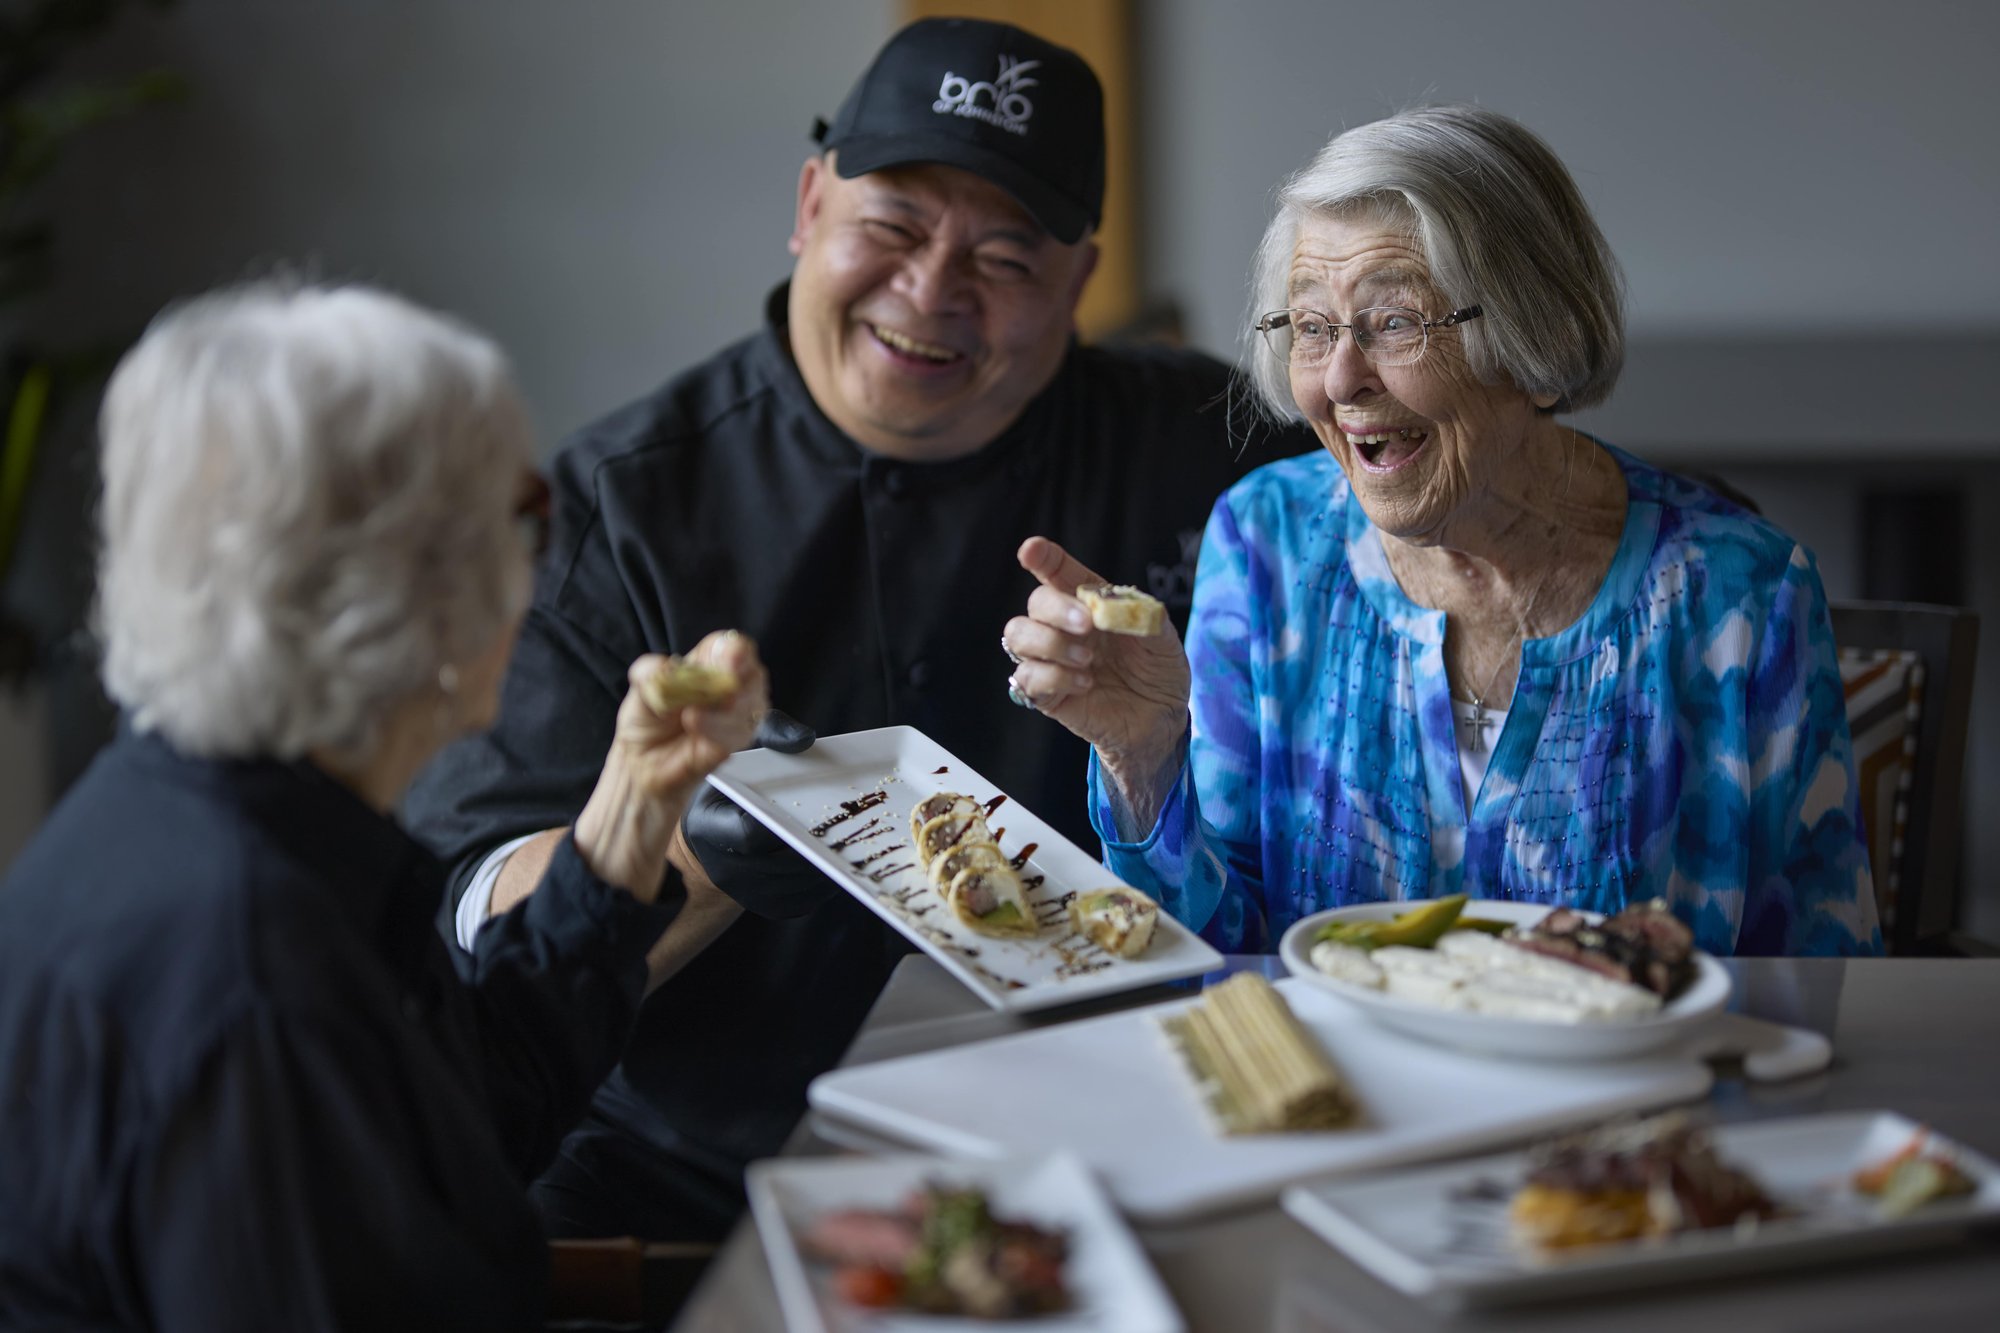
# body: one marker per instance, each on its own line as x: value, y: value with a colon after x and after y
x: 1005, y: 104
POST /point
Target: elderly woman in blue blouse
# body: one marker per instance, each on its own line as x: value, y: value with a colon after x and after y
x: 1468, y: 648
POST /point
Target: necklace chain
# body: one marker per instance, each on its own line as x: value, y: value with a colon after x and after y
x: 1521, y: 634
x: 1524, y: 621
x: 1479, y: 696
x: 1476, y: 723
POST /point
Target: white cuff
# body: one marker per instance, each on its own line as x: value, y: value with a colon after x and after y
x: 477, y: 904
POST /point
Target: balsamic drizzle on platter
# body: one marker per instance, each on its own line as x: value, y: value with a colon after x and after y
x: 1076, y: 956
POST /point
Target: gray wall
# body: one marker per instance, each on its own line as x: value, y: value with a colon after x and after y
x: 1803, y: 194
x: 606, y: 187
x: 1761, y: 167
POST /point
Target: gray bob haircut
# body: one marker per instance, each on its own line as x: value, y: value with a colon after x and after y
x: 1502, y: 225
x: 306, y: 513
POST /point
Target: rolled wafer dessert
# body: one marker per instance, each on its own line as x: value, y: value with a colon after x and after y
x: 1254, y: 1065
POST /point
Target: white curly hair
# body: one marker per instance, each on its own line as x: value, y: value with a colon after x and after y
x: 306, y: 514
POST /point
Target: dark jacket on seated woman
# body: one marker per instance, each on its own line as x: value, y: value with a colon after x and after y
x: 243, y: 1085
x: 224, y: 1013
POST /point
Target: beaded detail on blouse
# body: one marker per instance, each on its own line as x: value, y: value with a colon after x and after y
x: 1686, y: 738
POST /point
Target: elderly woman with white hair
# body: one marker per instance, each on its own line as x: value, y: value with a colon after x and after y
x: 245, y: 1086
x: 1468, y: 648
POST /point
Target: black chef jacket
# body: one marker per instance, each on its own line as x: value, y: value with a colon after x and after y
x: 877, y: 591
x: 244, y: 1088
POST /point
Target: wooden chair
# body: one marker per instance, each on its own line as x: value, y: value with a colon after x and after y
x: 1945, y: 639
x: 624, y: 1284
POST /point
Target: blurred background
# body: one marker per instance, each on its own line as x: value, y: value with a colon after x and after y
x: 1803, y: 194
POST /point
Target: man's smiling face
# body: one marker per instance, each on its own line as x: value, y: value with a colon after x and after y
x: 927, y: 306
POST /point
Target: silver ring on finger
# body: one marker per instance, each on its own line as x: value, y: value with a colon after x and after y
x: 1019, y: 695
x: 1011, y: 657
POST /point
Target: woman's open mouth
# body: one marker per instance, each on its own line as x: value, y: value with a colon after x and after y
x: 1387, y: 450
x: 913, y: 352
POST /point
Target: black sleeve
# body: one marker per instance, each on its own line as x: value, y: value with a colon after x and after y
x: 556, y: 983
x: 536, y: 766
x: 294, y: 1187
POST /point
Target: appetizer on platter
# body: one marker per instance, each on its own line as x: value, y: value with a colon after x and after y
x: 967, y: 868
x: 1118, y: 920
x: 680, y: 683
x: 1255, y: 1067
x: 943, y: 1252
x: 1631, y: 1179
x: 939, y: 804
x: 1119, y: 608
x: 954, y: 828
x: 1560, y: 970
x: 992, y: 900
x: 946, y: 866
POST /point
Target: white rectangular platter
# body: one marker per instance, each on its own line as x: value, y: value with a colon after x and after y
x: 845, y: 805
x: 1441, y: 1232
x: 1114, y: 1287
x: 1112, y: 1091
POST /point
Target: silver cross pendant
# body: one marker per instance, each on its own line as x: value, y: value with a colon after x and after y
x: 1477, y: 725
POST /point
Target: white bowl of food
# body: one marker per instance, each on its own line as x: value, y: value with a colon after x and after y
x: 1521, y: 1010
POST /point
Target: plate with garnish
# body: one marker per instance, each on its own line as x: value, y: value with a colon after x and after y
x: 1638, y: 1202
x: 1008, y: 905
x: 923, y: 1243
x: 1518, y: 980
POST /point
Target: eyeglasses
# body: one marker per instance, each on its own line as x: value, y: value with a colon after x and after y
x: 1388, y: 335
x: 531, y: 514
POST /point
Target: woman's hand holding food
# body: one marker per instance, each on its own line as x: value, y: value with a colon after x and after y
x: 677, y: 722
x: 1125, y: 694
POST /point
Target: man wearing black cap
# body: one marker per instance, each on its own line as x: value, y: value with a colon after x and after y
x: 849, y: 486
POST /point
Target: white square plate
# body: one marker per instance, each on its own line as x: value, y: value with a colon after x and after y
x: 804, y: 799
x: 1109, y: 1278
x: 1111, y: 1090
x: 1442, y: 1233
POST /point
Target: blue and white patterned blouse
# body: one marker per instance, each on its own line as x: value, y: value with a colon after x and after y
x: 1685, y: 739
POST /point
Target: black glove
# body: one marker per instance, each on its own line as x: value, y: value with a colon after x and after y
x: 747, y: 861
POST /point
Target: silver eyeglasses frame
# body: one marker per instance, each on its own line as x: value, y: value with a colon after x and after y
x: 1277, y: 324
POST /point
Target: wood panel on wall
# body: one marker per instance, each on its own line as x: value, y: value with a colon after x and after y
x: 1101, y: 32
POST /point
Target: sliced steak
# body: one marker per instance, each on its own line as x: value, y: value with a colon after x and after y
x: 863, y: 1236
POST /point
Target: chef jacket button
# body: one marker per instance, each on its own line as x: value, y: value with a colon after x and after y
x: 920, y: 674
x: 896, y: 482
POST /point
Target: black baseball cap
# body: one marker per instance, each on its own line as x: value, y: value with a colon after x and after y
x: 1022, y: 112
